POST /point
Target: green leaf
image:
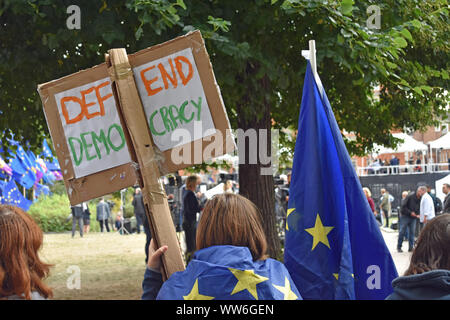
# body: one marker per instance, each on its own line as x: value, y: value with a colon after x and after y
x: 138, y: 33
x: 400, y: 42
x: 426, y: 88
x: 407, y: 34
x: 181, y: 4
x: 444, y: 74
x: 416, y: 24
x: 418, y: 90
x: 391, y: 65
x: 346, y: 7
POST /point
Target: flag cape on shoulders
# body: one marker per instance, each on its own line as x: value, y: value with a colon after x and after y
x: 229, y: 273
x: 334, y: 248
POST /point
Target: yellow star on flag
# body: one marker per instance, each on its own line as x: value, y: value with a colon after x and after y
x: 286, y: 290
x: 195, y: 295
x: 247, y: 280
x: 289, y: 211
x: 319, y: 233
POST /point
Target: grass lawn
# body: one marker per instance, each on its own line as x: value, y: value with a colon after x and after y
x: 111, y: 265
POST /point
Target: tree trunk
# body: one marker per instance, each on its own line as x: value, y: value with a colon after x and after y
x: 257, y: 187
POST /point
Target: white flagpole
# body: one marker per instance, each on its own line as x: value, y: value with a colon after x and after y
x: 311, y: 56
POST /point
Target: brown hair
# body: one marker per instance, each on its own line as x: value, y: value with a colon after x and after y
x: 191, y: 181
x: 21, y: 270
x: 230, y: 219
x: 432, y: 249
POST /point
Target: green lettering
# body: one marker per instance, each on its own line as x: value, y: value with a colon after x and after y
x: 74, y: 154
x: 176, y: 117
x: 87, y: 146
x: 167, y: 123
x: 182, y: 115
x: 152, y: 126
x: 198, y: 107
x: 101, y: 139
x: 122, y: 136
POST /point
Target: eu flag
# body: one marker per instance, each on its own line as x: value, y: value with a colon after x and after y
x: 334, y: 248
x: 12, y: 196
x: 46, y: 151
x: 229, y: 273
x: 5, y: 170
x: 22, y: 172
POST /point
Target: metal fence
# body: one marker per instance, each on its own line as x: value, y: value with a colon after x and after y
x: 403, y: 169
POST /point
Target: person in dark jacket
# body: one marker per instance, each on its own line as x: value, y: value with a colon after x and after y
x: 428, y: 275
x: 446, y: 204
x: 139, y: 209
x: 410, y: 213
x: 141, y: 218
x: 190, y: 209
x: 77, y: 216
x: 86, y: 217
x: 103, y: 214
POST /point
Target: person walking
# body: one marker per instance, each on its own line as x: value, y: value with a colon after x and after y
x: 428, y: 274
x: 385, y: 206
x: 141, y: 218
x: 426, y: 208
x: 369, y: 199
x: 404, y: 195
x: 190, y: 209
x: 139, y: 209
x: 77, y: 217
x: 446, y: 204
x: 410, y: 213
x: 103, y: 214
x: 86, y: 218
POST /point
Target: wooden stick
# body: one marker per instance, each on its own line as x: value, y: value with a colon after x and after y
x: 155, y: 198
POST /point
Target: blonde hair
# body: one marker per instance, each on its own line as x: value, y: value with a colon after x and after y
x: 367, y: 190
x: 230, y: 219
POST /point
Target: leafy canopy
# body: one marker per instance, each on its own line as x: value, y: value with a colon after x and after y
x: 407, y: 57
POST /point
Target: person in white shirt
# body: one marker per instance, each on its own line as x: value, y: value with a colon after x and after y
x: 426, y: 207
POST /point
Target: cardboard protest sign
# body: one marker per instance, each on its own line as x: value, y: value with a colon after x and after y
x: 182, y: 102
x: 183, y: 108
x: 87, y: 133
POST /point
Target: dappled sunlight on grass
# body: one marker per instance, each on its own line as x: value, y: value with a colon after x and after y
x: 112, y: 266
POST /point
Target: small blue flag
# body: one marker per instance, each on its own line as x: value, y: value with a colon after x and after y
x: 42, y: 190
x: 22, y: 172
x: 229, y: 273
x: 12, y: 196
x: 46, y: 151
x: 334, y: 248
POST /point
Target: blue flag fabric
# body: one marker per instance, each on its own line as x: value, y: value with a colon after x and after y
x: 12, y: 196
x: 46, y: 151
x: 334, y: 248
x: 22, y: 172
x: 229, y: 273
x: 42, y: 189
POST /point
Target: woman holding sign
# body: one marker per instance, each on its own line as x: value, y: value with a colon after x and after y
x: 230, y: 261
